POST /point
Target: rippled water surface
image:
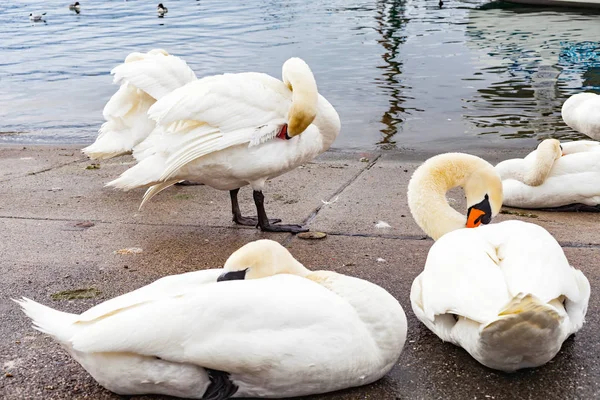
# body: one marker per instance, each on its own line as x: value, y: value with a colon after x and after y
x: 400, y: 73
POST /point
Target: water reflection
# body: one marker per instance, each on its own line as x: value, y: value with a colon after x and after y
x: 390, y: 21
x: 533, y: 60
x: 398, y: 71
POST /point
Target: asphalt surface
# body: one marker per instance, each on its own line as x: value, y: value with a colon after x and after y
x: 60, y: 230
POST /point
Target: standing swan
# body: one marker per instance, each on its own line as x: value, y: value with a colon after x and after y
x: 263, y: 326
x: 565, y: 177
x: 581, y: 112
x: 144, y: 78
x: 504, y: 292
x: 233, y: 130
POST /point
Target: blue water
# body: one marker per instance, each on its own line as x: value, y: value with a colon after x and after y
x: 400, y: 73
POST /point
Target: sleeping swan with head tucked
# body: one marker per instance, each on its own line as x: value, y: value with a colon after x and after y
x: 504, y: 292
x: 555, y: 175
x: 263, y: 326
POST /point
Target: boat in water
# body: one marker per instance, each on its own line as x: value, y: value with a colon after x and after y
x: 559, y: 3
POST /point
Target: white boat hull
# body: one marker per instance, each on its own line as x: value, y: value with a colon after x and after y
x: 560, y: 3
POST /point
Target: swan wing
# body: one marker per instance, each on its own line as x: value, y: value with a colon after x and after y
x: 155, y: 74
x: 164, y: 288
x: 532, y: 261
x: 461, y: 277
x: 476, y: 272
x: 218, y: 112
x: 580, y: 146
x: 143, y: 78
x: 235, y: 326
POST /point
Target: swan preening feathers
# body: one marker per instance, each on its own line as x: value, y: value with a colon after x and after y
x: 262, y: 326
x: 504, y: 292
x: 554, y: 175
x: 226, y: 131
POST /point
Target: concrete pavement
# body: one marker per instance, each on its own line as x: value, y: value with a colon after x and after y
x: 61, y: 230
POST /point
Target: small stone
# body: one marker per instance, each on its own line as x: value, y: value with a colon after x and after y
x: 364, y: 159
x: 312, y: 235
x: 8, y: 375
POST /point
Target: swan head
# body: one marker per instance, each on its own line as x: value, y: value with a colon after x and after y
x: 430, y: 182
x: 300, y: 80
x: 260, y: 259
x: 158, y: 51
x: 551, y: 147
x: 483, y: 189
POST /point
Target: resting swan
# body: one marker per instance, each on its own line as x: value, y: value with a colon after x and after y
x: 581, y: 112
x: 233, y: 130
x: 144, y: 78
x: 263, y: 326
x: 504, y: 292
x: 554, y: 175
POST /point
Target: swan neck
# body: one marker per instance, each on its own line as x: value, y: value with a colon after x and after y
x: 298, y: 77
x: 542, y: 164
x: 428, y: 187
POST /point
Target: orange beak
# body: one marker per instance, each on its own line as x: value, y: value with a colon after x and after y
x: 474, y: 218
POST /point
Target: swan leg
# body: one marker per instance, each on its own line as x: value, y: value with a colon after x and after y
x: 221, y: 387
x: 188, y: 183
x: 237, y: 214
x: 263, y: 221
x: 577, y: 207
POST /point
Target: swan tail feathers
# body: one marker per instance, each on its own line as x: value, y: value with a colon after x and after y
x: 527, y: 333
x: 156, y: 189
x: 146, y: 173
x: 112, y: 141
x: 58, y: 324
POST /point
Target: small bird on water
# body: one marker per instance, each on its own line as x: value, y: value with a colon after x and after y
x: 36, y: 17
x: 75, y: 6
x: 162, y: 10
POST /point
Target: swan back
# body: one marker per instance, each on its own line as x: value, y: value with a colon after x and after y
x: 581, y: 112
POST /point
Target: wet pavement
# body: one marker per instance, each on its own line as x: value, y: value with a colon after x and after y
x: 60, y: 230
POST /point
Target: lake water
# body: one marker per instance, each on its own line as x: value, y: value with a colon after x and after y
x: 400, y: 73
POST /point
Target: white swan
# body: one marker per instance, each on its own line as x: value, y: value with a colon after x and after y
x: 232, y: 130
x: 554, y: 175
x: 161, y: 10
x: 144, y: 78
x: 263, y: 326
x: 504, y: 292
x: 581, y: 112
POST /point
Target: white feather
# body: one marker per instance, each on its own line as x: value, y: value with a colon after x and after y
x: 144, y: 78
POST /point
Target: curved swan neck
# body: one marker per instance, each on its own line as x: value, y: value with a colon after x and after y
x: 544, y: 159
x: 300, y: 80
x: 430, y: 182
